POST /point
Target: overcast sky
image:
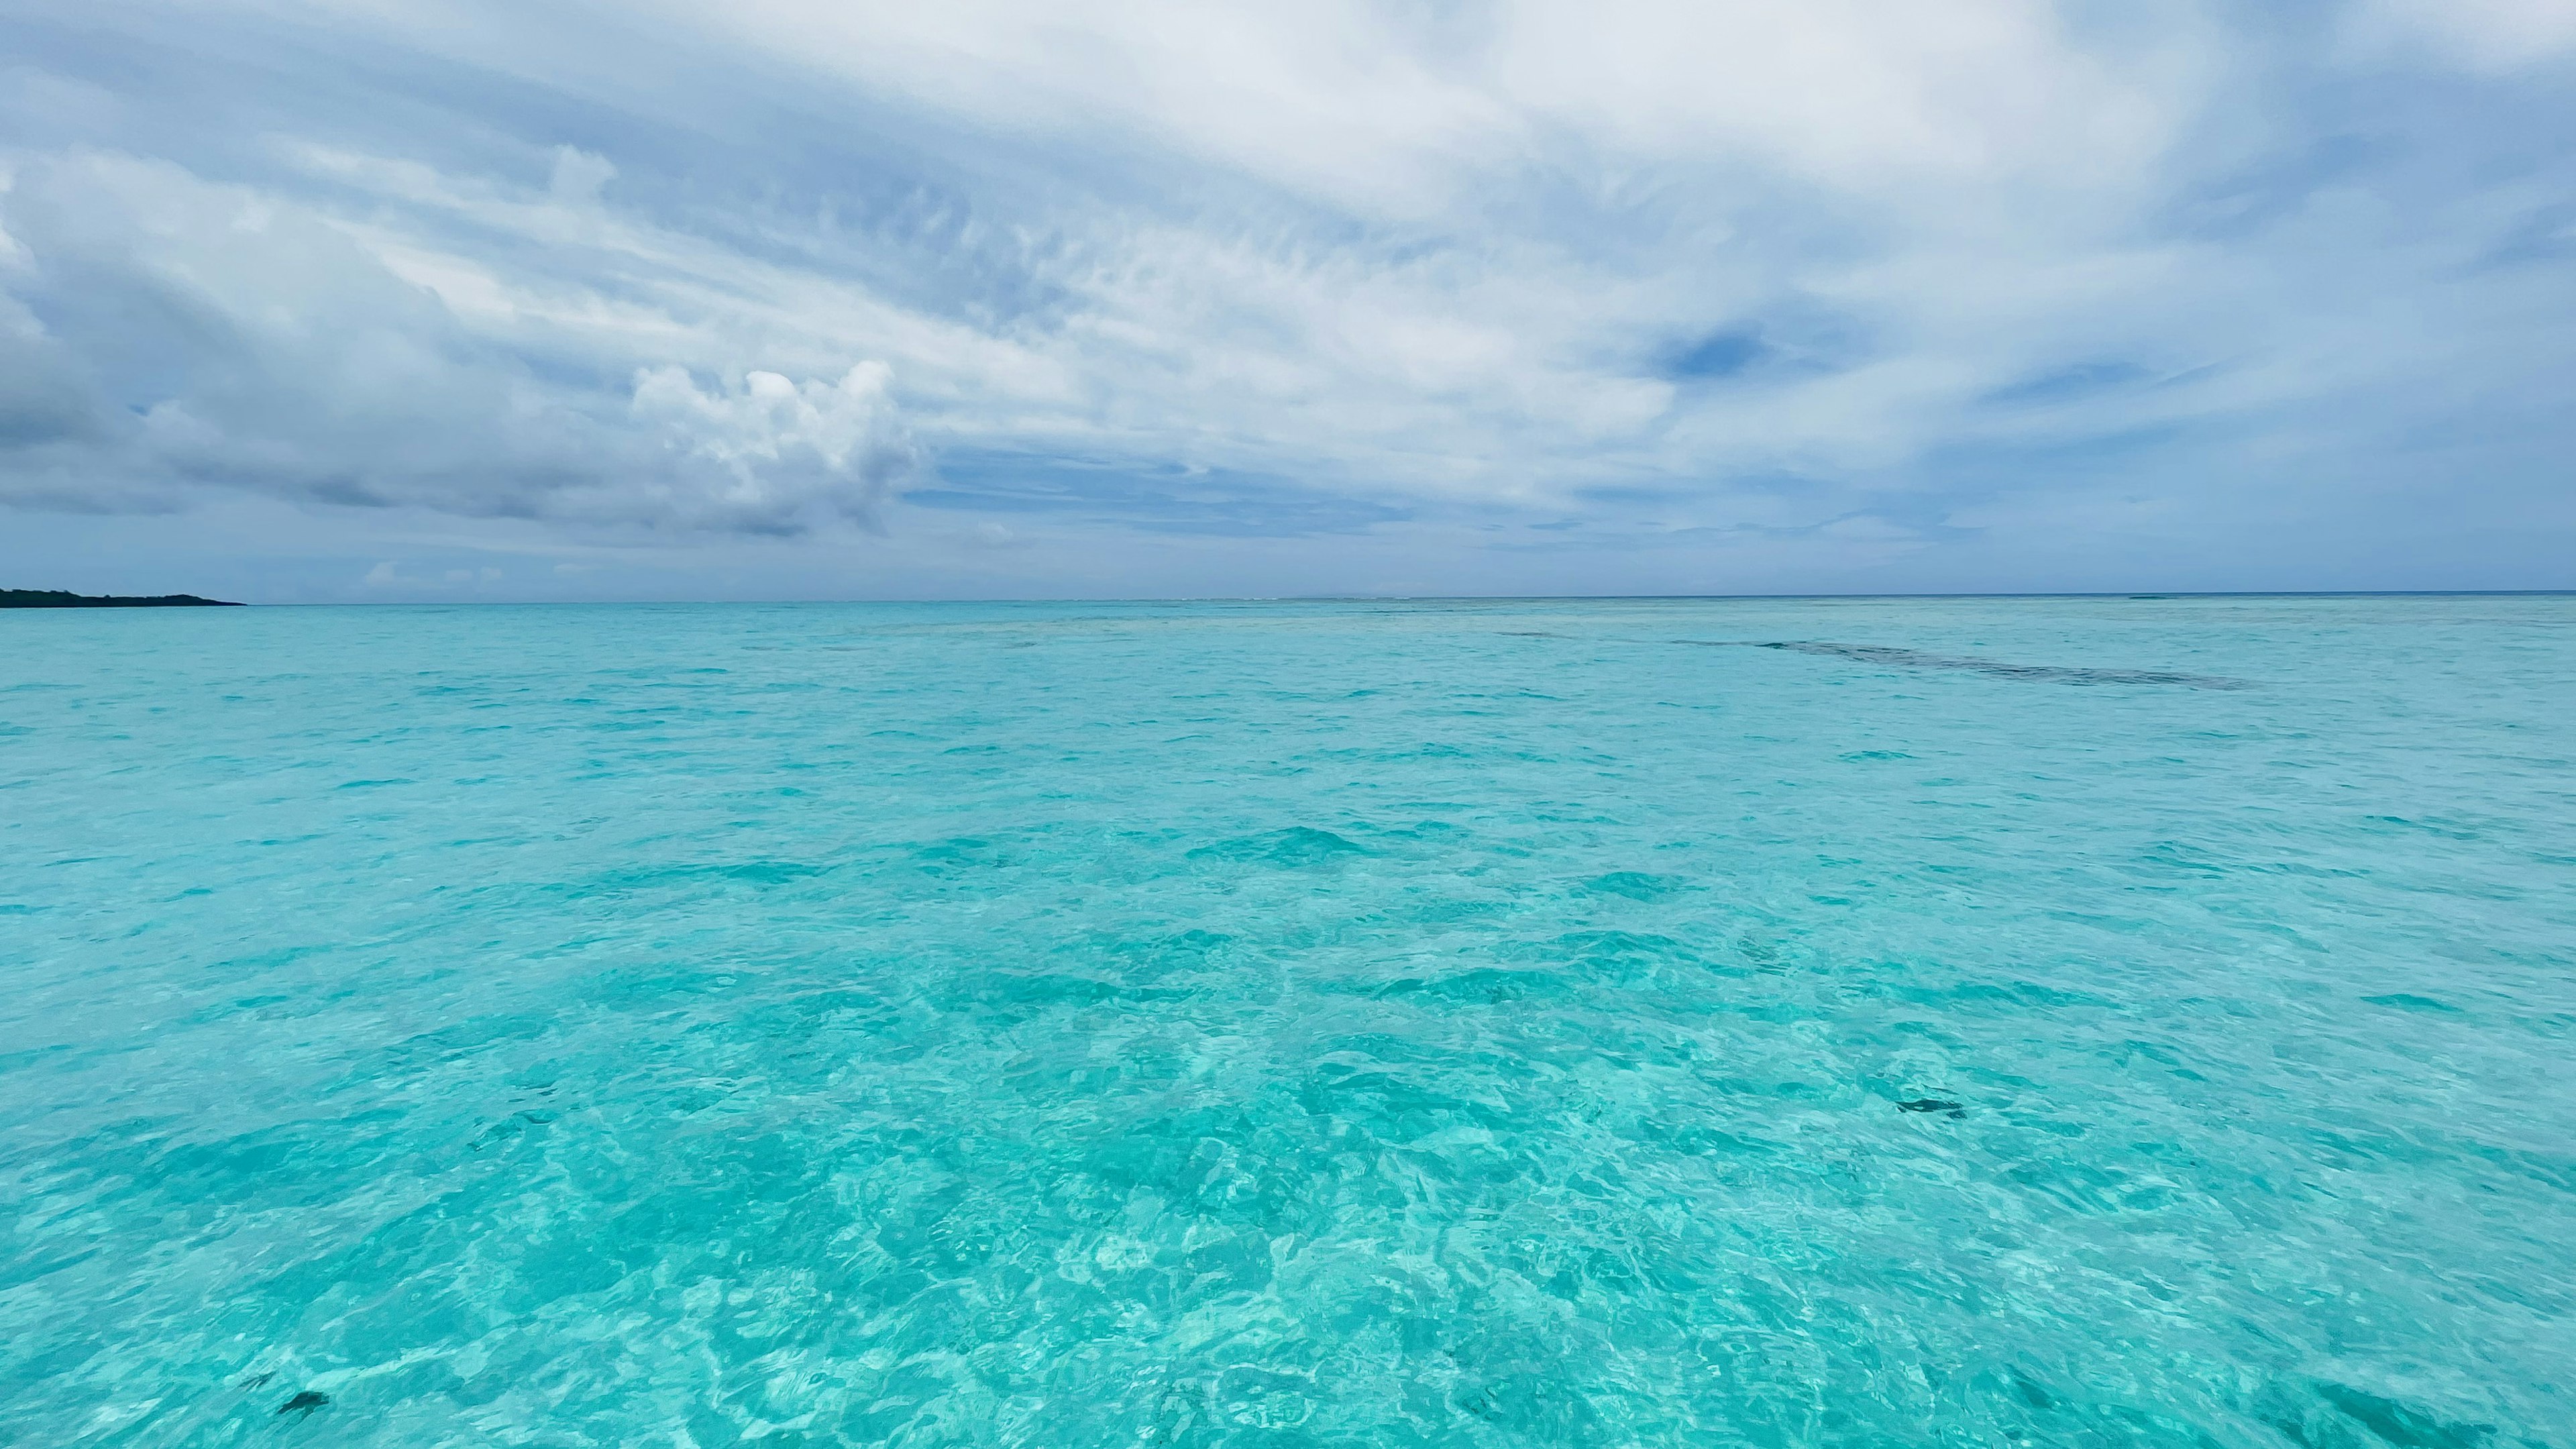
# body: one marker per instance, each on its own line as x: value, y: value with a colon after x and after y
x: 360, y: 299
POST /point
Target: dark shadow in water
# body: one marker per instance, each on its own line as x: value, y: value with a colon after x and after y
x: 1916, y: 659
x: 2390, y: 1422
x: 1295, y: 847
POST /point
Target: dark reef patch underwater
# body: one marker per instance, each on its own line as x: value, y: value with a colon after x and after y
x: 1295, y: 1024
x: 2042, y: 673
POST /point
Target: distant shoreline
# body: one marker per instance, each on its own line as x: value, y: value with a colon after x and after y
x: 64, y: 599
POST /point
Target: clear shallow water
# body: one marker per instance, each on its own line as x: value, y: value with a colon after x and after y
x: 1457, y: 1024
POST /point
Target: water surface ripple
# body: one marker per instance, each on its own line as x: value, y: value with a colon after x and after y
x: 1293, y: 1024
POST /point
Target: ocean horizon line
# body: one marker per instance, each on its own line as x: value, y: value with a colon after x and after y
x: 2136, y: 595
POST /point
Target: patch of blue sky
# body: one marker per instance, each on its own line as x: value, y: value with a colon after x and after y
x: 1721, y: 354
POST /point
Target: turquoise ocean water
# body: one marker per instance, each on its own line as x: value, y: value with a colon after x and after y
x: 2051, y: 1022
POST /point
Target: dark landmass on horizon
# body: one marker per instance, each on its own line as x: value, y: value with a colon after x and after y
x: 63, y: 599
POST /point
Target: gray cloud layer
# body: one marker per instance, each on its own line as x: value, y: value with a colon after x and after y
x: 1628, y: 295
x: 198, y: 332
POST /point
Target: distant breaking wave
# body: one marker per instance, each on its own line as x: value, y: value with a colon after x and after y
x: 1916, y: 659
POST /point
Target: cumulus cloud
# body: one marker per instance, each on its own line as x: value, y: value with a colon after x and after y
x: 163, y: 331
x: 773, y: 451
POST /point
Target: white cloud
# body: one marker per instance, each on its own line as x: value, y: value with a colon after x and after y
x: 2492, y: 35
x: 774, y: 449
x: 1403, y: 111
x: 579, y: 176
x: 1444, y: 260
x: 1457, y: 349
x: 207, y: 333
